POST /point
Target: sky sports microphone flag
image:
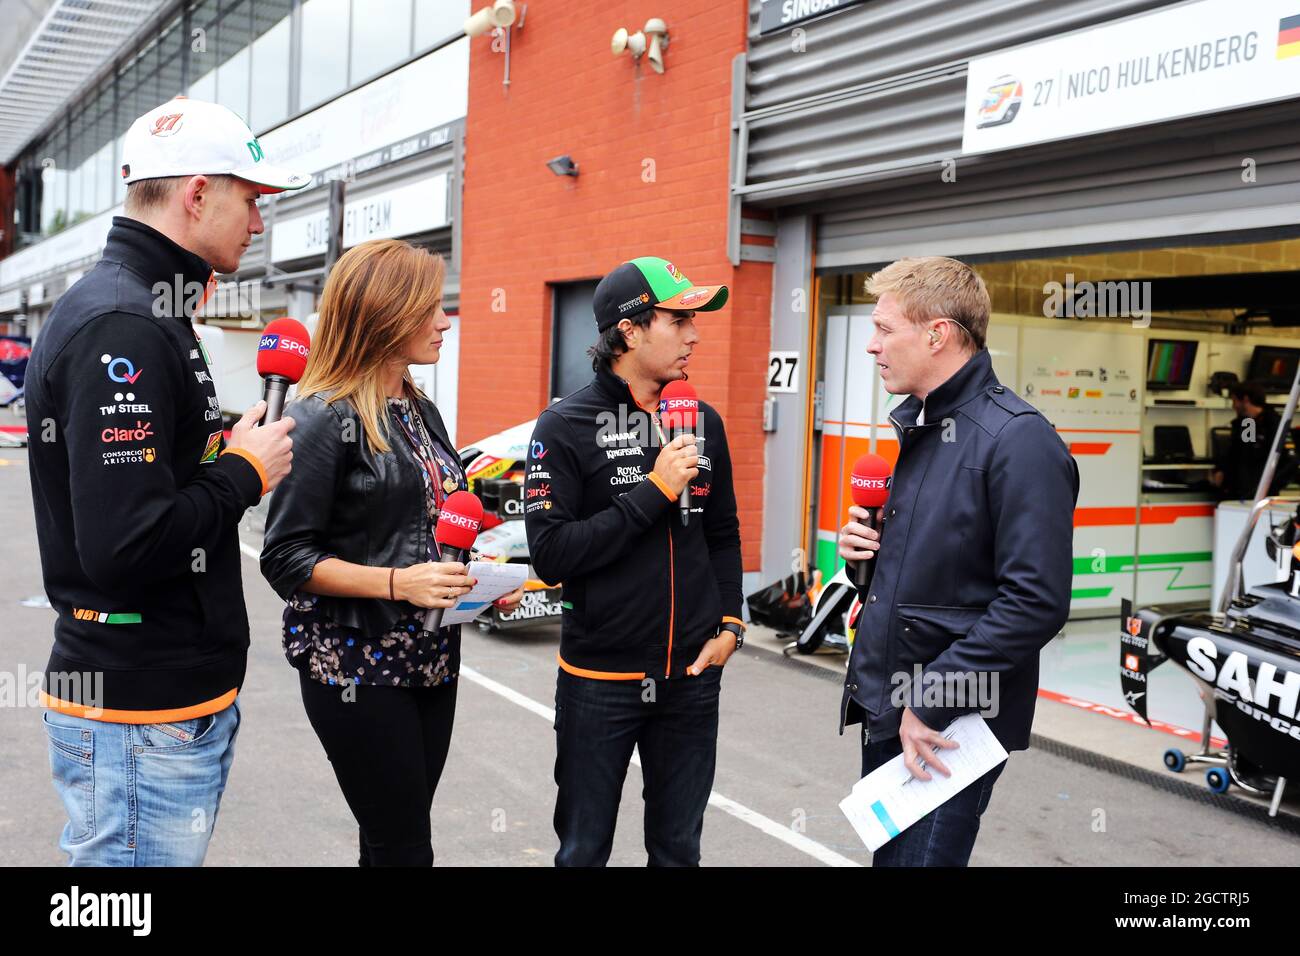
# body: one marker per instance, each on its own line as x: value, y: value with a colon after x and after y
x: 679, y: 410
x: 281, y: 359
x: 869, y: 486
x: 458, y: 525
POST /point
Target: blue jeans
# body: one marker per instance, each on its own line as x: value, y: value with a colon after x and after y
x: 140, y: 794
x: 597, y: 724
x: 946, y: 835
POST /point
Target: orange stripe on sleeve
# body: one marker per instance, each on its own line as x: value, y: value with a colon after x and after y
x: 662, y: 486
x: 253, y: 460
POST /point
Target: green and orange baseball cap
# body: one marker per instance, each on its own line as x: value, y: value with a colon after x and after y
x: 648, y: 282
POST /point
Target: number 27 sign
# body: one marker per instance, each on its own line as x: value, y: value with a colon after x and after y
x: 783, y: 371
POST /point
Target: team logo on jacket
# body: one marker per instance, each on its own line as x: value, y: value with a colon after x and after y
x: 120, y: 369
x: 140, y: 432
x: 211, y: 449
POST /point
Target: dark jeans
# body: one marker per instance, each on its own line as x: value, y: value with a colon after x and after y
x: 388, y: 748
x: 945, y: 835
x: 674, y: 726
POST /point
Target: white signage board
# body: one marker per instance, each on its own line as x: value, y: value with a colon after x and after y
x: 404, y: 211
x: 430, y: 92
x: 1173, y: 62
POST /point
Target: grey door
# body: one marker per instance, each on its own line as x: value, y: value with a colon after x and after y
x: 573, y: 331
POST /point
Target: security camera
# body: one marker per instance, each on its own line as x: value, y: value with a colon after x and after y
x: 657, y: 31
x: 500, y: 14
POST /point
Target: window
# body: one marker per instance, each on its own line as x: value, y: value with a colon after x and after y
x: 574, y: 331
x: 270, y: 102
x: 438, y: 20
x: 324, y: 44
x: 381, y: 37
x: 203, y: 51
x: 233, y: 39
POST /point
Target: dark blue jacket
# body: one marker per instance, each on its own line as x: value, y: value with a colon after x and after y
x: 975, y: 563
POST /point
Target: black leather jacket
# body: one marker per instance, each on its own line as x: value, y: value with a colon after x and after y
x: 341, y: 500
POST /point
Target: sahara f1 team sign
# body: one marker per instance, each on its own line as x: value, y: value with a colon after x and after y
x: 1178, y: 61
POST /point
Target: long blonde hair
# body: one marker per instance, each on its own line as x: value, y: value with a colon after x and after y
x: 377, y: 296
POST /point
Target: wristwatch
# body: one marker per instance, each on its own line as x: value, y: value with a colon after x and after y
x: 736, y: 629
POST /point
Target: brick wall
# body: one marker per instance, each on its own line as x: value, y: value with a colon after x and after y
x: 653, y: 153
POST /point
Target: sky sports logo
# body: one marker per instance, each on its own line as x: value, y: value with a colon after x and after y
x: 869, y: 483
x: 679, y: 404
x: 281, y: 343
x: 458, y: 520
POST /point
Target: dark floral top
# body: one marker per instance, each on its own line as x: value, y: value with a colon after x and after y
x: 406, y: 656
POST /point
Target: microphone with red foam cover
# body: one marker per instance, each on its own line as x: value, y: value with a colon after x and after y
x: 869, y: 486
x: 679, y: 410
x: 458, y: 526
x: 281, y: 360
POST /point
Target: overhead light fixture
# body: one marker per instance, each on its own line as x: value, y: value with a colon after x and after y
x: 500, y: 14
x: 650, y: 42
x: 563, y: 166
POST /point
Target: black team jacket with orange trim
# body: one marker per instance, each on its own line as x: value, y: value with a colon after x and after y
x: 136, y: 506
x: 642, y: 594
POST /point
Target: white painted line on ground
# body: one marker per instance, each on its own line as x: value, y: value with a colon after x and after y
x: 741, y: 812
x: 738, y: 810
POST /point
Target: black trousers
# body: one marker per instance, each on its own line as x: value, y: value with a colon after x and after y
x: 673, y: 724
x: 388, y: 748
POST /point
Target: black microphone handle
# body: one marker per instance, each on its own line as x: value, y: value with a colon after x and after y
x: 866, y: 568
x: 273, y: 393
x: 433, y: 617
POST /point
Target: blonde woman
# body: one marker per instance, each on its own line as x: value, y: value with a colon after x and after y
x: 350, y: 546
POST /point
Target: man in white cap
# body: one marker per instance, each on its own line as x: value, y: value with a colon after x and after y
x: 138, y: 497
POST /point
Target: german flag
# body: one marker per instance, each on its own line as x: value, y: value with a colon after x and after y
x: 1288, y: 37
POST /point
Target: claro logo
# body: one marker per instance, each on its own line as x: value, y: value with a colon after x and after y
x: 141, y: 431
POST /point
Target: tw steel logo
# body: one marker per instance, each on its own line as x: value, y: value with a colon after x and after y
x: 458, y: 520
x: 869, y: 483
x: 281, y: 343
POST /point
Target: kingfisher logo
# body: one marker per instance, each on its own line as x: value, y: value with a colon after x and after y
x: 120, y: 369
x: 281, y: 343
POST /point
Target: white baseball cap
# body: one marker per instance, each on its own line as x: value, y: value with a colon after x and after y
x: 185, y: 137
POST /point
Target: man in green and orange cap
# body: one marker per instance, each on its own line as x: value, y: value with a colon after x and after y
x: 651, y: 605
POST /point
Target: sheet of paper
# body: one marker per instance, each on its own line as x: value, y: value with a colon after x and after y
x: 888, y: 800
x: 494, y: 580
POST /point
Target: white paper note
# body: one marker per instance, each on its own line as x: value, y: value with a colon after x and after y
x: 888, y: 800
x: 493, y: 579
